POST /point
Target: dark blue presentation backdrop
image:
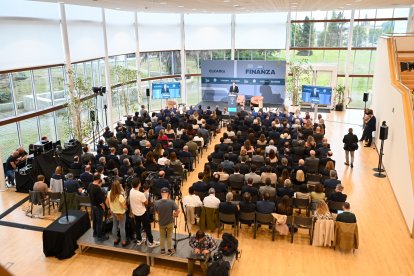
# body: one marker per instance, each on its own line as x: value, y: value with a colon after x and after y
x: 253, y: 77
x: 316, y: 94
x: 166, y: 90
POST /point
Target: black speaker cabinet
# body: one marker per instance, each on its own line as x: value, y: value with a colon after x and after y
x: 148, y: 92
x: 92, y: 115
x: 383, y: 132
x: 365, y: 99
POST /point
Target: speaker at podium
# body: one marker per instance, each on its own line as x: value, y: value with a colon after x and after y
x: 232, y: 102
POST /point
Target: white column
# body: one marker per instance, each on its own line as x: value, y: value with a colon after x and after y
x: 410, y: 23
x: 107, y: 73
x: 68, y: 63
x: 349, y: 53
x: 137, y: 60
x: 233, y: 35
x: 288, y: 36
x: 183, y: 65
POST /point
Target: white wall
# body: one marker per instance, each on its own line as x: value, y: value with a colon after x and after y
x: 388, y: 106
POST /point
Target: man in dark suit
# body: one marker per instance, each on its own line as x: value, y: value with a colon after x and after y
x: 346, y: 216
x: 338, y: 196
x: 218, y: 186
x: 265, y: 206
x: 86, y: 177
x: 312, y: 163
x: 370, y: 127
x: 161, y: 182
x: 200, y: 185
x: 244, y: 168
x: 234, y: 88
x: 249, y: 188
x: 236, y: 176
x: 332, y: 181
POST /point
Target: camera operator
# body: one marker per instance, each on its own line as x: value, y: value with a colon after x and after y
x: 202, y: 244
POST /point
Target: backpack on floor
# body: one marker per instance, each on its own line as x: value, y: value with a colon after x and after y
x: 219, y: 268
x: 141, y: 270
x: 229, y: 245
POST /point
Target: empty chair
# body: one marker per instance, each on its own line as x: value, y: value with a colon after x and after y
x: 299, y: 203
x: 302, y: 222
x: 264, y: 219
x: 228, y: 219
x: 84, y: 201
x: 246, y: 218
x: 55, y: 198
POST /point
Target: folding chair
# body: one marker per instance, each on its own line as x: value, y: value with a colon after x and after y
x: 247, y: 218
x: 35, y: 198
x: 265, y: 219
x: 228, y: 219
x: 302, y: 222
x: 84, y: 201
x: 55, y: 198
x: 299, y: 203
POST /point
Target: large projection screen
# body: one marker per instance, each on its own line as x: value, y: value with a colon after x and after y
x: 253, y: 77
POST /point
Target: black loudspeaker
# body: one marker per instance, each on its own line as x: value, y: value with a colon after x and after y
x: 384, y: 132
x: 365, y: 99
x: 92, y: 115
x: 148, y: 92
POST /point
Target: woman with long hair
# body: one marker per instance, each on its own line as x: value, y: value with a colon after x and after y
x: 117, y: 203
x: 262, y: 140
x: 174, y: 160
x: 322, y: 211
x: 299, y: 178
x: 285, y: 206
x: 169, y: 130
x: 248, y: 147
x: 328, y: 167
x: 158, y: 151
x: 272, y: 156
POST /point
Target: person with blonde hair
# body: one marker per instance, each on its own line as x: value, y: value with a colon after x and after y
x: 322, y: 211
x: 117, y: 203
x: 299, y: 178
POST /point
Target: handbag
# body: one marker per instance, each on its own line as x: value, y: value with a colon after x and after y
x: 354, y: 146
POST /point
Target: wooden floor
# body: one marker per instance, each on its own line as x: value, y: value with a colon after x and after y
x: 385, y: 244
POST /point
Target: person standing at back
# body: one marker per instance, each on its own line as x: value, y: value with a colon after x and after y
x: 167, y: 209
x: 138, y: 202
x: 117, y: 203
x: 350, y: 146
x: 98, y: 206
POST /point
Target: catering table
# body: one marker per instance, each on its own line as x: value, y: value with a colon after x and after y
x: 60, y: 240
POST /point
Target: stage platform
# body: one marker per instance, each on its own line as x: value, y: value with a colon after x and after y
x: 223, y: 104
x: 181, y: 254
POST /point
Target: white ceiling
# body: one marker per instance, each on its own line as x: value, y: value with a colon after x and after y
x: 236, y: 6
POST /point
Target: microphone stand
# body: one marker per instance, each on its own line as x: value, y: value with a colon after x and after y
x: 64, y: 219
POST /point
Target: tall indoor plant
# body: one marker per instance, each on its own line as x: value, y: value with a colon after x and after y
x: 125, y: 77
x: 299, y: 71
x: 339, y: 97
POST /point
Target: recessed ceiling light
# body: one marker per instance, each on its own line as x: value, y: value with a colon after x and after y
x: 181, y: 6
x: 341, y: 8
x: 226, y: 1
x: 348, y: 4
x: 163, y: 3
x: 117, y: 8
x: 236, y: 5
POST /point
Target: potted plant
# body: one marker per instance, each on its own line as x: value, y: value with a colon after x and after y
x: 299, y: 71
x: 339, y: 97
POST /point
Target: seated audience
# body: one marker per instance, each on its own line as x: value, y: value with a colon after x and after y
x: 346, y: 216
x: 211, y: 201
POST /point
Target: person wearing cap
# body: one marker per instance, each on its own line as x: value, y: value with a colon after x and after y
x: 166, y: 209
x: 211, y: 201
x: 201, y: 243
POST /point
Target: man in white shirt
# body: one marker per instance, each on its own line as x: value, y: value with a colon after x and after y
x: 138, y: 202
x: 191, y: 201
x: 211, y: 201
x: 199, y: 137
x: 163, y: 159
x: 271, y: 146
